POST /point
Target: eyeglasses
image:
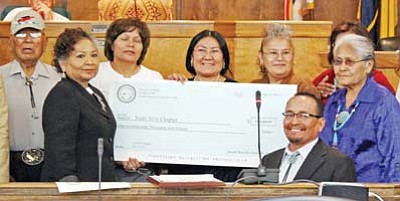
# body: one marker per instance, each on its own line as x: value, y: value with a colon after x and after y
x: 33, y: 34
x: 202, y: 52
x: 273, y: 54
x: 300, y: 116
x: 347, y: 61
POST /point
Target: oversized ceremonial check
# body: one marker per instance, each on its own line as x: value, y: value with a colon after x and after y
x: 202, y: 123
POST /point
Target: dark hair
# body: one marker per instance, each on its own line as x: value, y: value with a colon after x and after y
x: 320, y: 106
x: 222, y: 43
x: 120, y: 26
x: 343, y: 27
x: 65, y: 44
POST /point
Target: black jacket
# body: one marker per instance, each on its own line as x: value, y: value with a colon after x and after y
x: 323, y: 163
x: 72, y: 122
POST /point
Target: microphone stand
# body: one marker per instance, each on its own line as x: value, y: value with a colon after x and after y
x: 261, y: 171
x: 259, y: 133
x: 100, y: 150
x: 261, y: 174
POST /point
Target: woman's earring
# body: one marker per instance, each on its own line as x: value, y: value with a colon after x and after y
x: 191, y: 63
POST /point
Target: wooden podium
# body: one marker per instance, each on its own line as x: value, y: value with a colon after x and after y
x: 146, y: 191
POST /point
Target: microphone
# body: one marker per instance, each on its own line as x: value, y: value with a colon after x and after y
x: 258, y: 105
x: 261, y: 171
x: 258, y: 100
x: 100, y: 150
x: 261, y: 174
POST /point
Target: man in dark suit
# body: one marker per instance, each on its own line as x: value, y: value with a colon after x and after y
x: 306, y: 156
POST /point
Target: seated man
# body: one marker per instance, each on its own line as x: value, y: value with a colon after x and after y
x: 306, y: 156
x: 43, y: 7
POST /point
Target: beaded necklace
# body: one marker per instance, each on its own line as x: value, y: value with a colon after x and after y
x: 341, y: 119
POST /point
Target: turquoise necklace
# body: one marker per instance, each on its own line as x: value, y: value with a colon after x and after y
x: 341, y: 119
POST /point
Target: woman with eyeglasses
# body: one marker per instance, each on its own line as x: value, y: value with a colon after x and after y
x: 363, y: 117
x: 276, y: 60
x: 325, y: 82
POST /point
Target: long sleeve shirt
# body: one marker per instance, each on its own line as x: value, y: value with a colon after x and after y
x: 25, y: 122
x: 371, y: 136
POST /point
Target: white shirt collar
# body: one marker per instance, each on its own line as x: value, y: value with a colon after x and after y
x: 90, y: 90
x: 304, y: 150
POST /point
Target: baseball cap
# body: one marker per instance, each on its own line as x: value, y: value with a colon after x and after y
x: 26, y: 19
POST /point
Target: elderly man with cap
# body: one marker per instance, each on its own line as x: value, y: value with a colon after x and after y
x: 27, y: 82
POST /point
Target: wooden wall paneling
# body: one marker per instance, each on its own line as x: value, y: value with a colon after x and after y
x: 228, y: 30
x: 246, y: 50
x: 74, y: 6
x: 392, y: 77
x: 53, y: 29
x: 177, y: 8
x: 336, y: 11
x: 230, y: 10
x: 308, y: 38
x: 5, y: 3
x: 169, y: 43
x: 170, y: 40
x: 306, y: 62
x: 83, y: 9
x: 159, y: 56
x: 5, y: 48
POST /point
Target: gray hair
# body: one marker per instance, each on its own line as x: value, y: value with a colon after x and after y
x: 277, y: 30
x: 362, y: 45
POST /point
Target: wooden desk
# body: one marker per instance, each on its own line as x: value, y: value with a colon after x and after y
x: 145, y: 191
x: 170, y: 39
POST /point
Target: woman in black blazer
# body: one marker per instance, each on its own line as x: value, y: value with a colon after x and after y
x: 76, y: 115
